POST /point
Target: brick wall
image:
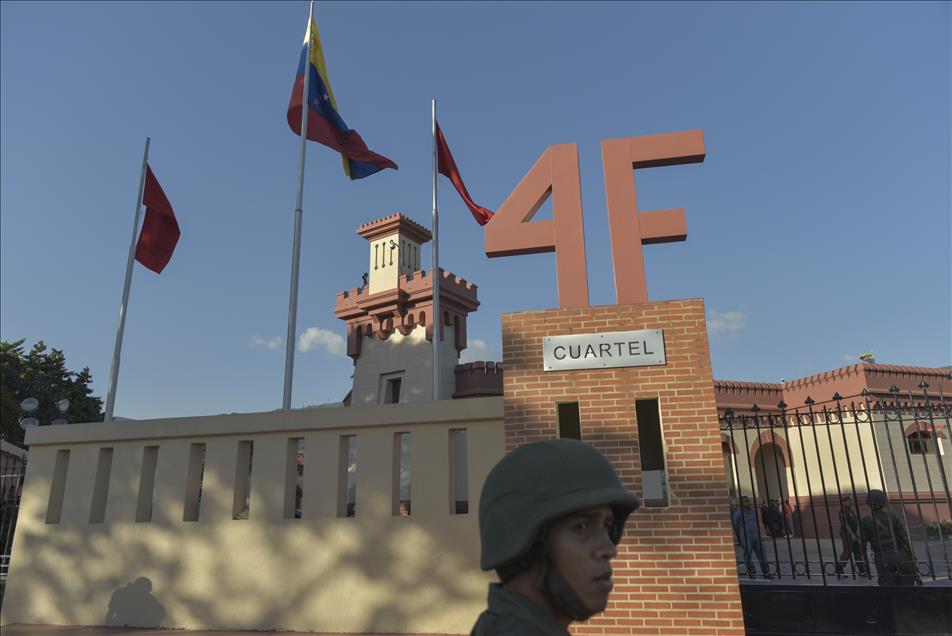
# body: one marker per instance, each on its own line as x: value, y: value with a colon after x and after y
x: 675, y: 571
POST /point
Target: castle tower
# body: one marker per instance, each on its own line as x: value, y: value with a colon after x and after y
x: 390, y: 322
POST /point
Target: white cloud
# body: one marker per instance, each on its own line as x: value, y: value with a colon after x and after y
x: 317, y: 338
x: 272, y: 344
x: 476, y: 349
x: 724, y: 323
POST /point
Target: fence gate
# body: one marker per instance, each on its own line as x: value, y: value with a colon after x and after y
x: 813, y: 554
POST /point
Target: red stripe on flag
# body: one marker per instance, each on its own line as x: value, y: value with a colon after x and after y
x: 447, y: 167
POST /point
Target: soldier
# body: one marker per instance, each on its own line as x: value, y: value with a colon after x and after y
x: 894, y: 559
x: 550, y: 517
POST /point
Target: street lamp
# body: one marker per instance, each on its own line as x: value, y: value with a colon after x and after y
x: 62, y: 406
x: 30, y: 404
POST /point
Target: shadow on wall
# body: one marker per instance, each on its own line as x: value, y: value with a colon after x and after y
x: 203, y: 585
x: 134, y: 606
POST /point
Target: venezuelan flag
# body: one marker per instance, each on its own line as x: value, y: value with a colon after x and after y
x: 324, y: 123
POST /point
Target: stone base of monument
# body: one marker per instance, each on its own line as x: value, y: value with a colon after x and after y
x: 635, y: 382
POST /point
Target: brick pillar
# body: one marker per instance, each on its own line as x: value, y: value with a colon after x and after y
x: 675, y: 572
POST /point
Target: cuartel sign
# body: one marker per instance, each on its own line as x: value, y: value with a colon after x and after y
x: 603, y: 350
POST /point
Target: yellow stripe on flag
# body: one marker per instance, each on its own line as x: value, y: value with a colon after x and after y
x: 317, y: 59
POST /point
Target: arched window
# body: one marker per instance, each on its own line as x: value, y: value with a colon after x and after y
x: 921, y: 438
x: 920, y: 443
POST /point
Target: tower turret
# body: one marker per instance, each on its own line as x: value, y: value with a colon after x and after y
x: 390, y: 322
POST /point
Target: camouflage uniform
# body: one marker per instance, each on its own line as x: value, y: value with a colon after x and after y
x: 894, y: 559
x: 513, y: 614
x: 529, y: 489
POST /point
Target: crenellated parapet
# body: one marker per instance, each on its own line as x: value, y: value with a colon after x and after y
x: 405, y: 307
x: 478, y: 379
x: 393, y: 224
x: 739, y: 396
x: 452, y: 288
x: 854, y: 383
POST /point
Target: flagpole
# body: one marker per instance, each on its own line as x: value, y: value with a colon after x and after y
x: 298, y: 216
x: 437, y: 278
x: 114, y: 371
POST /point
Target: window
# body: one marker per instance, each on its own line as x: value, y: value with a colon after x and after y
x: 570, y: 425
x: 920, y: 443
x: 347, y: 477
x: 193, y: 482
x: 651, y: 449
x: 459, y: 471
x: 403, y: 477
x: 150, y: 459
x: 97, y: 511
x: 55, y: 506
x: 241, y: 504
x: 294, y: 479
x: 390, y: 387
x: 393, y: 390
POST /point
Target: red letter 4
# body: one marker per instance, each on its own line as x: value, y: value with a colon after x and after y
x: 510, y: 233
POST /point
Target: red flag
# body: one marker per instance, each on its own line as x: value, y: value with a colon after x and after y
x: 160, y: 231
x: 447, y: 167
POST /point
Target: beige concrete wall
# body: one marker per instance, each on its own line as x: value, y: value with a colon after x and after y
x: 812, y: 451
x: 839, y: 464
x: 870, y: 456
x: 911, y: 472
x: 388, y: 264
x: 372, y: 573
x: 411, y: 355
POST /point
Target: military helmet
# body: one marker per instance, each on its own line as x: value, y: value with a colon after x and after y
x: 538, y: 483
x: 876, y: 499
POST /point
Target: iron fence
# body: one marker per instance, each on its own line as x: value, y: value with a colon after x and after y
x: 801, y: 480
x: 12, y: 471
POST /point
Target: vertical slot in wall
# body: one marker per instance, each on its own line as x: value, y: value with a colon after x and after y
x: 150, y: 459
x: 97, y: 511
x: 54, y: 508
x: 651, y: 449
x: 402, y: 475
x: 241, y: 504
x: 294, y: 479
x: 459, y: 472
x: 570, y: 423
x: 194, y: 475
x: 347, y: 477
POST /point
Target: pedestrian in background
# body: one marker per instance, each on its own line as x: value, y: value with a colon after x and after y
x: 787, y: 513
x: 849, y: 535
x: 745, y: 525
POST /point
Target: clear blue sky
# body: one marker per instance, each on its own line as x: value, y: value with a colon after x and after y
x: 819, y: 224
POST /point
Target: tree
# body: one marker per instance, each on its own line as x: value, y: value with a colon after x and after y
x: 42, y: 374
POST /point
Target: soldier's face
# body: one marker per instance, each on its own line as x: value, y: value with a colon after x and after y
x: 581, y: 549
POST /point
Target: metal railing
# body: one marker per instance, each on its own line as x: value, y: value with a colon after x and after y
x: 806, y: 474
x: 12, y: 471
